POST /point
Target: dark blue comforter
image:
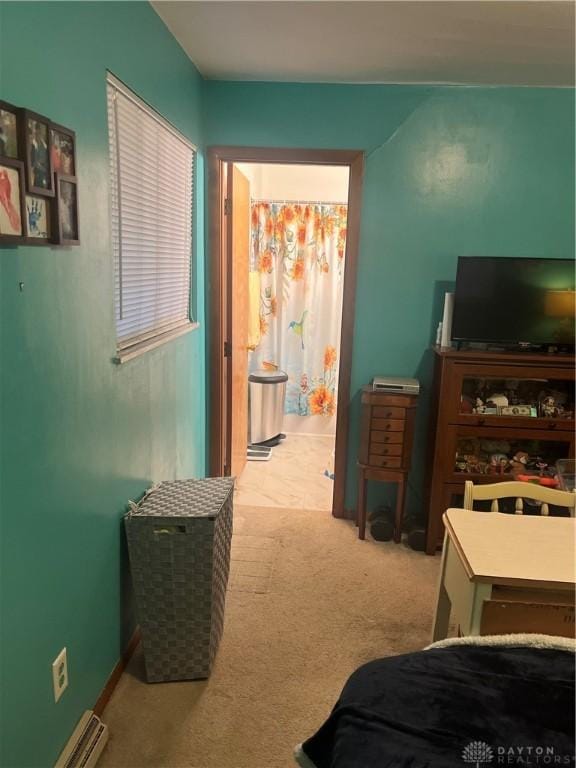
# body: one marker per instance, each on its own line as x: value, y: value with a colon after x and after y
x: 454, y: 706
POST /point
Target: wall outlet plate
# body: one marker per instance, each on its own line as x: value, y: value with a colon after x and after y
x: 60, y: 674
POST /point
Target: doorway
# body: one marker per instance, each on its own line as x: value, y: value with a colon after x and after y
x: 242, y: 264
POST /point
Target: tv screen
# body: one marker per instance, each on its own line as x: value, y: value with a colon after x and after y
x: 511, y: 301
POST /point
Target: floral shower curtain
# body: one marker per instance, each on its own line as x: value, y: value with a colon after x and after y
x: 298, y: 254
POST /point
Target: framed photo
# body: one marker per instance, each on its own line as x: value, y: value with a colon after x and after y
x: 38, y: 220
x: 63, y: 147
x: 11, y: 201
x: 35, y: 131
x: 66, y: 224
x: 8, y: 130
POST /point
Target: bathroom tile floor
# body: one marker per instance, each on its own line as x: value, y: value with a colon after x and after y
x: 294, y: 476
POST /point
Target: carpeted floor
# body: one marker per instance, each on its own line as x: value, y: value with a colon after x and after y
x: 308, y: 603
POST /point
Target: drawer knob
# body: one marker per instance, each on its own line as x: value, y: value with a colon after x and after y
x: 386, y: 439
x: 387, y: 426
x: 481, y: 421
x: 551, y: 425
x: 385, y: 451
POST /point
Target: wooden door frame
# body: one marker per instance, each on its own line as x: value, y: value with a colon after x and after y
x: 219, y: 290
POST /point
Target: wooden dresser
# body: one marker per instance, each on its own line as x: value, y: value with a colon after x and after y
x: 386, y: 438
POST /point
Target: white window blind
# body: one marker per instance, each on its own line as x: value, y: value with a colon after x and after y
x: 151, y: 175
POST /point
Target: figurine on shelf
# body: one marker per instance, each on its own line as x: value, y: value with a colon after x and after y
x: 498, y: 464
x: 479, y: 405
x: 497, y: 400
x: 553, y: 403
x: 548, y: 407
x: 471, y: 463
x: 519, y: 461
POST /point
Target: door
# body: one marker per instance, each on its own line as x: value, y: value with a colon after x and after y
x: 239, y: 243
x: 220, y: 160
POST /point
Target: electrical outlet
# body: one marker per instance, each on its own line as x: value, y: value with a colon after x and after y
x: 60, y: 674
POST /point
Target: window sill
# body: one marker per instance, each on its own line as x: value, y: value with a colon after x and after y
x: 124, y: 355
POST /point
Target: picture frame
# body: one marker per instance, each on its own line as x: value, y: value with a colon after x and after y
x: 38, y: 223
x: 63, y: 149
x: 12, y: 213
x: 35, y: 137
x: 9, y: 130
x: 65, y: 216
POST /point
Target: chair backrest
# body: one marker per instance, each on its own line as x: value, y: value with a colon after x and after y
x: 519, y: 490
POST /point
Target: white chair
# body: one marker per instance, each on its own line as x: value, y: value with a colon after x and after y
x: 519, y: 490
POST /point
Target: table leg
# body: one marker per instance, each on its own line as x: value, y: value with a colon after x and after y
x: 481, y: 592
x: 399, y: 516
x: 361, y: 510
x: 443, y: 606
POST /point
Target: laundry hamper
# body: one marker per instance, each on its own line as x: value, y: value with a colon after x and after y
x: 179, y: 546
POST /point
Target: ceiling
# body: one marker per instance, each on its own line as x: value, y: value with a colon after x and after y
x: 495, y: 42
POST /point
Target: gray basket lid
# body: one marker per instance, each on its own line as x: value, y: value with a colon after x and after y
x: 186, y: 498
x: 268, y: 377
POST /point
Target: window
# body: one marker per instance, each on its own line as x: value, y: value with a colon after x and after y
x: 151, y: 180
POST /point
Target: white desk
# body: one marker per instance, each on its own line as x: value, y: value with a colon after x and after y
x: 485, y: 549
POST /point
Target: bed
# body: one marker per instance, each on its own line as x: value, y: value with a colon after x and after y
x: 501, y: 700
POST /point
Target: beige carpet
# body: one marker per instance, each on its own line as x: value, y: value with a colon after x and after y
x: 308, y: 603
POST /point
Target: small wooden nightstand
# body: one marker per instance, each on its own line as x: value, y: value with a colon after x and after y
x: 386, y: 437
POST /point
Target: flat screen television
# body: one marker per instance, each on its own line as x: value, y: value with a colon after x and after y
x: 514, y: 302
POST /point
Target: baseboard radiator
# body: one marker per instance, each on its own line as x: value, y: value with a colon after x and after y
x: 86, y: 743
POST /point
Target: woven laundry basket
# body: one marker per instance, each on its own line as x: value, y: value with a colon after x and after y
x: 179, y: 546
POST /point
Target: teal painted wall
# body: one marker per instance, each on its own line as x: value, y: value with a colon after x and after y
x: 449, y: 172
x: 79, y: 434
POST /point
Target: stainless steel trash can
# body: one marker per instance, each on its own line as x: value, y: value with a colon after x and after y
x: 267, y: 394
x: 179, y: 545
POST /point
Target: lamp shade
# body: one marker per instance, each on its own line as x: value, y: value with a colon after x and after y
x: 560, y: 303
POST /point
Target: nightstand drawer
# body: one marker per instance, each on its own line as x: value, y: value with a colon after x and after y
x: 386, y: 437
x: 384, y: 461
x: 388, y: 412
x: 387, y: 425
x: 384, y: 449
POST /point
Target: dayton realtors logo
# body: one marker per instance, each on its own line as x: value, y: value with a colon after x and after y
x: 478, y: 753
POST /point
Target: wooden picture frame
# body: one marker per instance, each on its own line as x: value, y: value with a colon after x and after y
x: 36, y: 144
x: 9, y: 131
x: 39, y: 223
x: 12, y: 211
x: 65, y: 215
x: 63, y: 150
